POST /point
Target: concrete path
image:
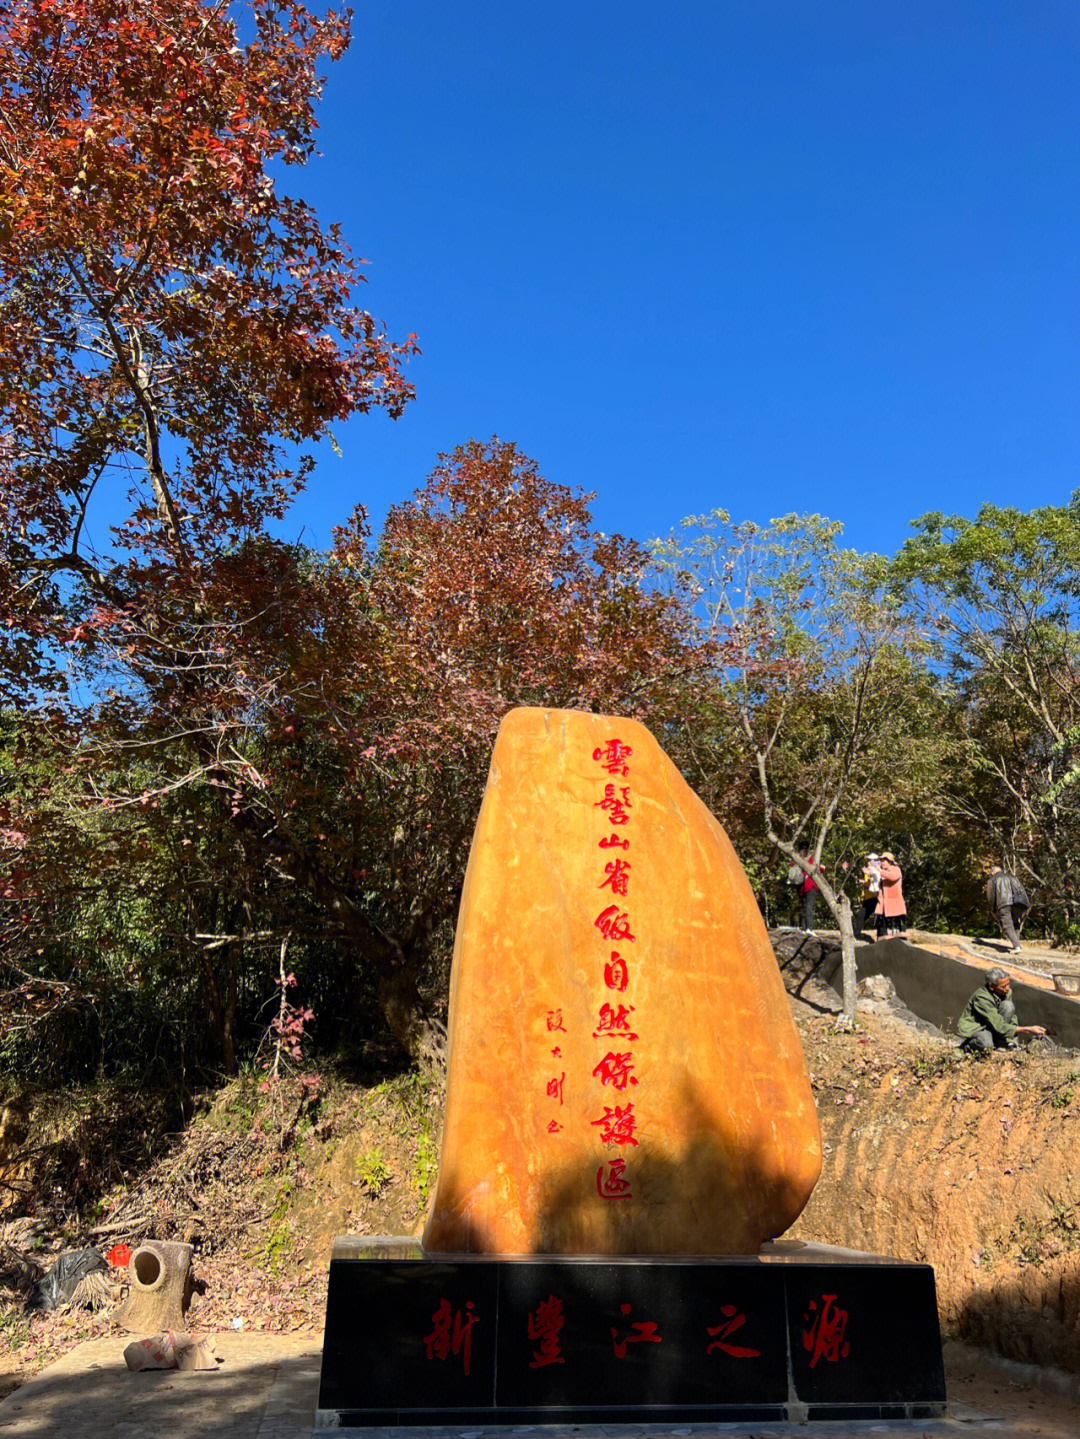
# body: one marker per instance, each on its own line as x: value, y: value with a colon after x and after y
x: 265, y: 1389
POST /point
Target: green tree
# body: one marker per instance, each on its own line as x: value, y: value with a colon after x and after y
x: 1001, y: 595
x: 811, y: 665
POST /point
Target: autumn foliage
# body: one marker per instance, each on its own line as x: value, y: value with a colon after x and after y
x: 174, y: 332
x: 225, y: 757
x: 169, y: 322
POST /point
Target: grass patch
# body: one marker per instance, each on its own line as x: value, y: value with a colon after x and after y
x: 279, y: 1228
x: 372, y: 1171
x: 425, y: 1161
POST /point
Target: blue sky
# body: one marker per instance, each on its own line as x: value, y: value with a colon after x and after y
x: 763, y: 255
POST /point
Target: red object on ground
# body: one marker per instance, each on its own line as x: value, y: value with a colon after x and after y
x: 119, y: 1255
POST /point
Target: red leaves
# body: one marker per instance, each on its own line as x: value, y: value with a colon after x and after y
x: 152, y: 282
x: 506, y: 592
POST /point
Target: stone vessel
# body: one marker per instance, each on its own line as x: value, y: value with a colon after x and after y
x: 624, y: 1074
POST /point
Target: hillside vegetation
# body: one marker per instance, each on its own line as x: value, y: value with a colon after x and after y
x: 967, y: 1164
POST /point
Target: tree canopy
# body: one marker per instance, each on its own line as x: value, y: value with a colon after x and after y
x: 220, y: 749
x: 169, y: 322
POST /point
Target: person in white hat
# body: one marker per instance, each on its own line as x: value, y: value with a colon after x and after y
x: 891, y: 906
x: 871, y: 885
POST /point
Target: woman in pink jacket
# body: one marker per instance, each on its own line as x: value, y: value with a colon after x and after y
x: 890, y: 903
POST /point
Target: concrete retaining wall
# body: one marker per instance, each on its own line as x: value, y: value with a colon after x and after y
x: 936, y: 988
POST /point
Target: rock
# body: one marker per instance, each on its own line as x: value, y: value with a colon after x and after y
x: 624, y: 1074
x: 876, y: 986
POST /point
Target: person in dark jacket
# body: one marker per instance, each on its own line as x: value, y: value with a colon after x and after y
x: 809, y: 890
x: 795, y: 878
x: 988, y: 1020
x: 1008, y: 899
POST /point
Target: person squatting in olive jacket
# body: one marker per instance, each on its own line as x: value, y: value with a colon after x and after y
x: 988, y: 1020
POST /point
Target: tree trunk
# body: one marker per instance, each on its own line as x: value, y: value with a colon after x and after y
x: 228, y: 1026
x: 221, y: 1002
x: 222, y: 1014
x: 421, y: 1036
x: 840, y: 908
x: 847, y: 955
x: 161, y: 1282
x: 228, y: 1053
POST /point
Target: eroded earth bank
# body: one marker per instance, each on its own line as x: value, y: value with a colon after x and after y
x: 970, y: 1164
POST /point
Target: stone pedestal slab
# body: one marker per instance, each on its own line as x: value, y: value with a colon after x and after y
x: 796, y: 1332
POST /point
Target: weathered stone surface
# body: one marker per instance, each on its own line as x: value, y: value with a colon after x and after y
x: 624, y: 1074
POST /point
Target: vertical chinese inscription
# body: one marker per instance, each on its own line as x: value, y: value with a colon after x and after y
x: 553, y: 1022
x: 616, y: 1123
x: 609, y: 1078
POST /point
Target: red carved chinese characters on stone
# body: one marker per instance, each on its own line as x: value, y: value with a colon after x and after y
x: 825, y: 1337
x: 555, y: 1087
x: 544, y: 1324
x: 615, y: 1021
x: 617, y: 1125
x: 613, y: 756
x: 452, y: 1333
x: 643, y: 1332
x: 613, y: 1184
x: 735, y: 1320
x: 615, y: 806
x: 616, y: 974
x: 617, y: 872
x: 554, y: 1021
x: 614, y: 1069
x: 614, y: 924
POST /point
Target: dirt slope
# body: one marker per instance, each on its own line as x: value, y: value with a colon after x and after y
x: 969, y: 1164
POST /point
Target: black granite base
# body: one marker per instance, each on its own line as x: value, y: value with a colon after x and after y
x: 798, y: 1332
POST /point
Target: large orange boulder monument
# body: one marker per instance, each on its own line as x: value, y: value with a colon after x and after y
x: 624, y: 1074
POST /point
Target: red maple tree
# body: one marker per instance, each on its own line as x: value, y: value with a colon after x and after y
x: 166, y: 316
x: 263, y: 739
x: 176, y: 333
